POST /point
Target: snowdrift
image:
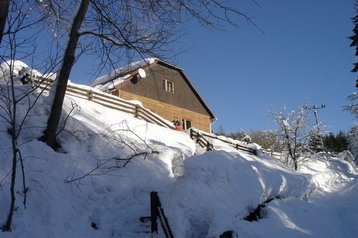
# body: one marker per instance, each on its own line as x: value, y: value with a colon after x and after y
x: 98, y: 183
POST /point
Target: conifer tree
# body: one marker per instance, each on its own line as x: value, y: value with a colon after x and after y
x: 354, y: 39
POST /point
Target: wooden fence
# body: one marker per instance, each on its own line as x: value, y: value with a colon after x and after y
x: 138, y: 111
x: 110, y: 101
x: 201, y: 138
x: 157, y: 211
x: 117, y: 103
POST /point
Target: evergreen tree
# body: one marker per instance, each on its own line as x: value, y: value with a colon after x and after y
x: 315, y: 142
x: 354, y: 39
x: 335, y: 143
x: 329, y: 141
x: 341, y: 142
x: 353, y: 142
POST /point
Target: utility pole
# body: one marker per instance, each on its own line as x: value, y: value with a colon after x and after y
x: 315, y: 109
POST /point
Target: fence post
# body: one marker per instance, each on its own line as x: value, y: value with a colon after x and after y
x: 158, y: 212
x: 90, y: 97
x: 154, y: 203
x: 136, y: 113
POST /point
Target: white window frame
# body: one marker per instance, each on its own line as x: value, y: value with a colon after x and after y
x: 168, y: 85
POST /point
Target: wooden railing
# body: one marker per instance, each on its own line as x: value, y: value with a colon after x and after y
x: 201, y: 138
x: 138, y: 111
x: 157, y: 211
x: 110, y: 101
x: 117, y: 103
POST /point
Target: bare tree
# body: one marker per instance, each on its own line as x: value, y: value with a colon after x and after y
x: 9, y: 102
x: 130, y: 146
x: 16, y: 99
x: 67, y: 64
x: 118, y: 30
x: 4, y: 9
x: 267, y: 140
x: 293, y: 132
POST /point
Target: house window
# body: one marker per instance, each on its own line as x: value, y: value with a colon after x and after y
x: 168, y: 85
x: 186, y: 124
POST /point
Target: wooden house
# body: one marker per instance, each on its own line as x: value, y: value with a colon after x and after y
x: 163, y: 89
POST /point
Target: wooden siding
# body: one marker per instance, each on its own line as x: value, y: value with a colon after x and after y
x: 182, y: 103
x: 152, y: 87
x: 169, y: 112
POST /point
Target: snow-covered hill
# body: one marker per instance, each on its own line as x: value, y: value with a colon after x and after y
x: 90, y: 189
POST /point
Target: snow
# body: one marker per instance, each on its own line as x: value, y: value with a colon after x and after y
x: 104, y: 80
x: 108, y: 86
x: 203, y: 194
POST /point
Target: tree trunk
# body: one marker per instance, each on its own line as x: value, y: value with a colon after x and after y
x: 67, y: 64
x: 7, y: 225
x: 13, y: 108
x: 4, y: 10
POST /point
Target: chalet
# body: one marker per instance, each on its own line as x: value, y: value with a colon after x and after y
x: 162, y: 88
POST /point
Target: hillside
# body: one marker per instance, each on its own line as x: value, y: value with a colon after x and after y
x: 98, y: 184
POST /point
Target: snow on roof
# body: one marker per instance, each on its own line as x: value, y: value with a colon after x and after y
x: 120, y: 71
x: 110, y: 85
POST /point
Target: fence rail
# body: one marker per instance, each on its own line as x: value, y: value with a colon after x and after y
x: 110, y: 101
x: 117, y: 103
x: 201, y: 138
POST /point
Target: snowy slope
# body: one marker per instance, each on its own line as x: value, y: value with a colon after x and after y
x: 84, y: 191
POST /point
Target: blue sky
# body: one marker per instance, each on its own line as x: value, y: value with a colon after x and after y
x: 303, y: 58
